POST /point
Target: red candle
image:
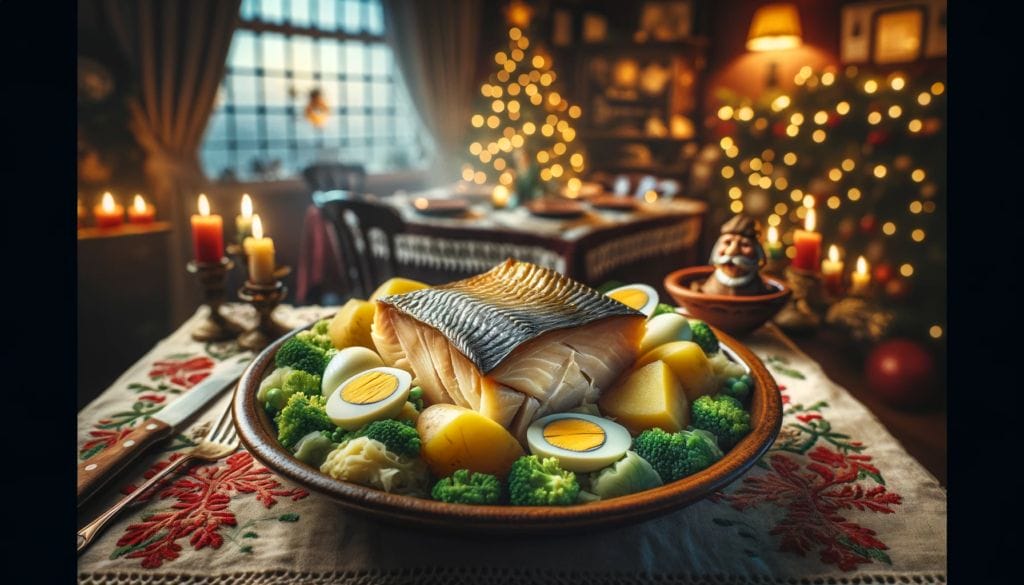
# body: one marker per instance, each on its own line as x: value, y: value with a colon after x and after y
x: 808, y: 245
x: 207, y: 234
x: 108, y: 213
x: 832, y: 272
x: 140, y: 211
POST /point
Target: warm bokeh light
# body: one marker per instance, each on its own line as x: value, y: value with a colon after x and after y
x: 773, y: 235
x: 907, y: 270
x: 843, y: 108
x: 889, y: 228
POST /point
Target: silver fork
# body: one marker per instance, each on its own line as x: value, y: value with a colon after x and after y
x: 221, y: 441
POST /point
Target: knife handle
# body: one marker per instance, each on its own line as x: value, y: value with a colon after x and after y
x: 101, y: 467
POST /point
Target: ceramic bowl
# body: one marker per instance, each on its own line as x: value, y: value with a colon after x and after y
x: 258, y: 436
x: 736, y: 315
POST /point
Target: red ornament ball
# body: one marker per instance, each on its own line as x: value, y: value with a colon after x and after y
x: 779, y: 129
x: 901, y: 372
x: 882, y: 273
x: 898, y: 289
x: 868, y: 223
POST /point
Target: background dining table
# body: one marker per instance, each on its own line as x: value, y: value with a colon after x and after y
x: 637, y: 245
x: 836, y: 500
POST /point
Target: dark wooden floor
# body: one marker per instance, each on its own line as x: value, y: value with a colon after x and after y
x: 921, y: 431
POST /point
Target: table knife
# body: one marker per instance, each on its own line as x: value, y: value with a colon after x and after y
x: 100, y: 468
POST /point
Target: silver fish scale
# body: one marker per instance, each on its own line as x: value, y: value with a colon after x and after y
x: 489, y: 315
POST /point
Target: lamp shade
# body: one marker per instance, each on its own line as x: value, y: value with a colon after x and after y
x: 775, y: 27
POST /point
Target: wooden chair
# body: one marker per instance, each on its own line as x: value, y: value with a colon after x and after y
x: 338, y: 208
x: 335, y: 176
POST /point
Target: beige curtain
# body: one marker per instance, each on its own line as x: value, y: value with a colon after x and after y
x: 179, y: 49
x: 435, y: 45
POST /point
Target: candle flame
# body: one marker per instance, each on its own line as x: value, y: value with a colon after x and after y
x: 108, y: 202
x: 246, y: 205
x: 139, y: 204
x: 257, y: 227
x: 862, y: 265
x: 204, y: 205
x: 773, y: 235
x: 833, y: 253
x: 811, y: 220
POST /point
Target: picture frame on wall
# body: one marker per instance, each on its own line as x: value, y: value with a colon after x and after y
x: 889, y: 32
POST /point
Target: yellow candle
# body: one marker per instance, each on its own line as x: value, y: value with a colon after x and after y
x: 832, y: 271
x: 260, y: 251
x: 243, y: 222
x: 861, y: 278
x: 499, y: 197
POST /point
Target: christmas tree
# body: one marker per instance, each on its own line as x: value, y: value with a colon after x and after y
x: 523, y: 136
x: 867, y: 152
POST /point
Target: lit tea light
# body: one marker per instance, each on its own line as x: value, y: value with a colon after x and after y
x: 260, y: 251
x: 500, y: 197
x: 832, y: 272
x: 207, y: 233
x: 861, y: 278
x: 807, y: 243
x: 774, y: 247
x: 140, y: 211
x: 108, y: 213
x: 243, y: 222
x: 421, y: 203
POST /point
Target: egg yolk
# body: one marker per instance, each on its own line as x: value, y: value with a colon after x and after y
x: 573, y: 434
x: 369, y: 388
x: 631, y: 297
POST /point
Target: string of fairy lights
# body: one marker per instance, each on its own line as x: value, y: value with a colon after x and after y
x: 840, y: 140
x: 524, y: 118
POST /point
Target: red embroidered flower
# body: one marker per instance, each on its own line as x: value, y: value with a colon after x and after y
x: 202, y: 505
x: 183, y: 373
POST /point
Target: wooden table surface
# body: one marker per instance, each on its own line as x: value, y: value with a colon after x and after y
x: 922, y: 431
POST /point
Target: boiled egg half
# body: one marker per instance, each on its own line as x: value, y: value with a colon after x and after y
x: 345, y: 364
x: 375, y: 394
x: 637, y: 296
x: 580, y: 442
x: 664, y: 328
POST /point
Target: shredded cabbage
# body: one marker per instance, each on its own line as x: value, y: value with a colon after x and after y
x: 368, y: 462
x: 274, y: 380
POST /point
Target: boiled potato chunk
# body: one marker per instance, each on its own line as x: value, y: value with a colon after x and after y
x: 455, y: 438
x: 648, y: 397
x: 397, y: 286
x: 351, y: 325
x: 689, y: 363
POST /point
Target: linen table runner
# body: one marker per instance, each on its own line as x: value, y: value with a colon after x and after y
x: 835, y: 500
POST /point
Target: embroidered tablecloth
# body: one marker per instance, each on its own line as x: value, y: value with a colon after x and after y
x: 835, y: 500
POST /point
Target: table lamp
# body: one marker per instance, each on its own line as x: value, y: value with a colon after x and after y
x: 775, y: 27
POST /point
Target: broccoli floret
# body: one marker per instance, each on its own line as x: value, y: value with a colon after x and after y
x: 541, y: 482
x: 464, y: 487
x: 738, y: 388
x: 340, y: 435
x: 321, y: 340
x: 322, y: 327
x: 398, y: 436
x: 300, y: 381
x: 704, y: 336
x: 416, y: 397
x: 662, y: 308
x: 301, y: 354
x: 302, y: 415
x: 677, y: 455
x: 721, y: 415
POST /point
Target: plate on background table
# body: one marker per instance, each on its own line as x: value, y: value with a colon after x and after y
x: 612, y: 203
x: 556, y: 208
x: 259, y: 437
x: 440, y: 207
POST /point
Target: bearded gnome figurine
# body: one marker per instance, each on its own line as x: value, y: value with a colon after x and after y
x: 737, y: 257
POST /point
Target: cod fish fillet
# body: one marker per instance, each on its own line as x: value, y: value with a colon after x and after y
x: 514, y: 343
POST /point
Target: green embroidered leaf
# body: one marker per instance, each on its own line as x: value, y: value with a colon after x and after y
x: 245, y: 549
x: 879, y: 555
x: 250, y: 535
x: 123, y: 550
x: 875, y: 476
x: 290, y: 517
x: 178, y: 356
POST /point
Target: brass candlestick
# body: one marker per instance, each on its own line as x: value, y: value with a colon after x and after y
x: 801, y: 313
x: 212, y: 275
x: 264, y: 298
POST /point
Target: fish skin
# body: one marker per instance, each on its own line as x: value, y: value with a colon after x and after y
x: 487, y: 316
